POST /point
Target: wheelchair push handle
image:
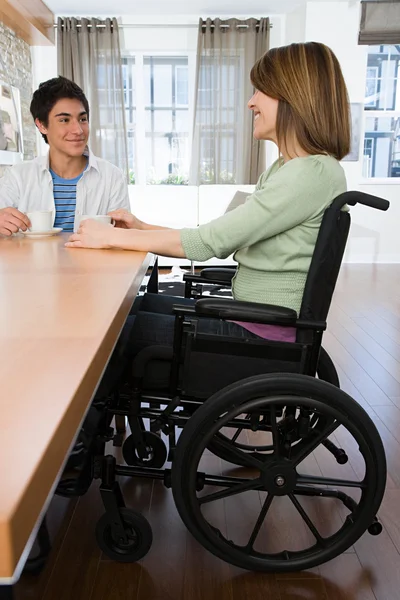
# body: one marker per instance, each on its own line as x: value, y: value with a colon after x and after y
x: 355, y: 197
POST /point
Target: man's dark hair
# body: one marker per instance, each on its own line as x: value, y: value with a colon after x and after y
x: 51, y: 91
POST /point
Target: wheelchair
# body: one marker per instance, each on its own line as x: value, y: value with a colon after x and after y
x: 256, y: 413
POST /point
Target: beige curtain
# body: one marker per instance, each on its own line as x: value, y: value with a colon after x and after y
x: 223, y: 148
x: 380, y: 22
x: 89, y: 53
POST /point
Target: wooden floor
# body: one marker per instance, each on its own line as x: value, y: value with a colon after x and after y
x: 363, y: 339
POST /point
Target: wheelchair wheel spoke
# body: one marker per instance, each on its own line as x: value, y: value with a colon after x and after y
x: 275, y: 432
x: 247, y: 459
x: 307, y: 520
x: 235, y: 437
x: 251, y: 484
x: 330, y: 481
x: 260, y: 521
x: 311, y: 442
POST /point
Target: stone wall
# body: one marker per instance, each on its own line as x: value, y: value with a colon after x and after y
x: 17, y: 58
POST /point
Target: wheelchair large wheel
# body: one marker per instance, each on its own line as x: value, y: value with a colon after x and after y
x: 295, y: 507
x: 222, y: 443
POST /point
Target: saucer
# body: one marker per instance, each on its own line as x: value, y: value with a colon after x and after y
x: 36, y: 234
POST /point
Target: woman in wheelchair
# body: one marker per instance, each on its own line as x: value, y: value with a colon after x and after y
x: 246, y: 378
x: 300, y: 104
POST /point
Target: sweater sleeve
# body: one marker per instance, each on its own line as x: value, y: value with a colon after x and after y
x: 292, y: 195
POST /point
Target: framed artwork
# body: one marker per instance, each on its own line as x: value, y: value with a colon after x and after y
x: 356, y: 114
x: 11, y: 147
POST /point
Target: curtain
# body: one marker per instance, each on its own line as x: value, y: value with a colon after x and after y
x: 380, y: 22
x: 88, y: 53
x: 223, y: 147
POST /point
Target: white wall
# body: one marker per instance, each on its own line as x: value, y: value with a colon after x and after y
x: 296, y: 25
x: 44, y: 66
x: 374, y: 236
x: 161, y: 37
x: 166, y: 205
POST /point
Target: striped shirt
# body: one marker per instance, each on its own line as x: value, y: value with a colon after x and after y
x: 64, y: 191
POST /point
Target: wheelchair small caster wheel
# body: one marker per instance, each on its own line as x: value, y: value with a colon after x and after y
x: 139, y: 537
x: 155, y: 449
x: 375, y: 528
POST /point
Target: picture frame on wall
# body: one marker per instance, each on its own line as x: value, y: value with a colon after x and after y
x: 356, y: 115
x: 11, y: 142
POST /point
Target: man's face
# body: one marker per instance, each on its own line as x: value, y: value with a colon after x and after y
x: 67, y: 129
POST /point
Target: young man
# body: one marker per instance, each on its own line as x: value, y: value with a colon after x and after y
x: 70, y: 180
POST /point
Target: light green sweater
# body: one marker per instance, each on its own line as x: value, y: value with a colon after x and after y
x: 274, y: 232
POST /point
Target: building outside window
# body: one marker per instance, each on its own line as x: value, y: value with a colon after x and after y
x: 382, y: 113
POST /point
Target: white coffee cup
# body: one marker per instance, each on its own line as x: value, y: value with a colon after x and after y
x: 41, y: 220
x: 101, y: 218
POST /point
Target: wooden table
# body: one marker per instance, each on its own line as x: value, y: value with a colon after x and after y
x: 61, y: 312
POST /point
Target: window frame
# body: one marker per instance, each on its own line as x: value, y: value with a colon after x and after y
x: 140, y: 126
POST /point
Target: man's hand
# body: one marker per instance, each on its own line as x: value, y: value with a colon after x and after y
x: 12, y: 220
x: 124, y: 219
x: 91, y: 234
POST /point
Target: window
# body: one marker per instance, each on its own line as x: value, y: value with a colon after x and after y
x: 157, y: 117
x: 182, y: 85
x: 382, y: 113
x: 167, y: 123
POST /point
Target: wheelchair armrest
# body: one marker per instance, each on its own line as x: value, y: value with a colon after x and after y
x: 218, y: 274
x: 252, y: 312
x: 207, y: 279
x: 183, y: 309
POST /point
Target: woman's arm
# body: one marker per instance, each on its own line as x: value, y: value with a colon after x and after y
x: 160, y: 240
x: 92, y: 234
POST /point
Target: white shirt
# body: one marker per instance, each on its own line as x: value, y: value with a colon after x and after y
x: 28, y: 186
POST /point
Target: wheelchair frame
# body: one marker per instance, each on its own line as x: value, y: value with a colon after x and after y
x: 307, y: 418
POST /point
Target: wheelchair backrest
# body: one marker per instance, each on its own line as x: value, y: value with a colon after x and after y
x: 328, y: 253
x: 325, y: 264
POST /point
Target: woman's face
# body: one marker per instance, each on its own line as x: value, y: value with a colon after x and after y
x: 265, y: 111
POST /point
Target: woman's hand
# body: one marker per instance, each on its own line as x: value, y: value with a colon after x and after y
x: 124, y: 219
x: 91, y: 234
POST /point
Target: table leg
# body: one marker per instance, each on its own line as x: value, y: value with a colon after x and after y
x: 120, y: 424
x: 6, y: 592
x: 152, y: 286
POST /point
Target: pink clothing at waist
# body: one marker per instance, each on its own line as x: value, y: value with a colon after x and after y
x: 276, y: 333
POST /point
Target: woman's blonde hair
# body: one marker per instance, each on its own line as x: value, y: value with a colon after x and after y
x: 313, y: 101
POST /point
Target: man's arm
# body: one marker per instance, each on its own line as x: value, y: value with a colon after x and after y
x: 9, y: 192
x: 119, y: 198
x: 11, y: 219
